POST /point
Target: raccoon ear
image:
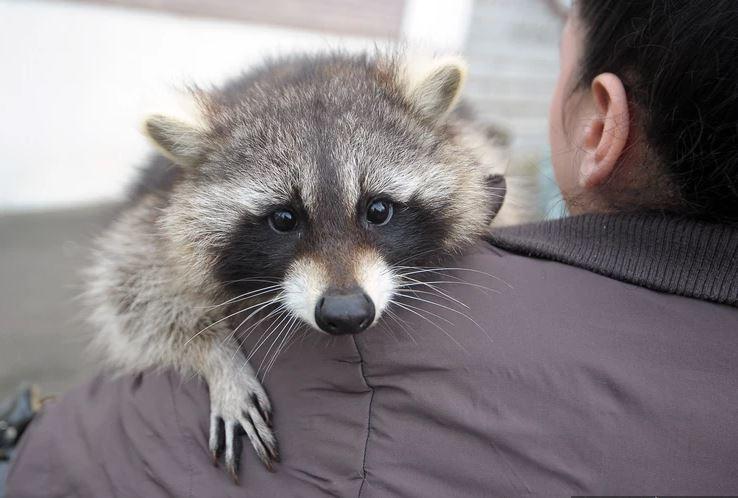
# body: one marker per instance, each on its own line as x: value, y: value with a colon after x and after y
x: 434, y: 89
x: 178, y: 140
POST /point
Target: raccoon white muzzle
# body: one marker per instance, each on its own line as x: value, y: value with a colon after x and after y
x: 352, y: 308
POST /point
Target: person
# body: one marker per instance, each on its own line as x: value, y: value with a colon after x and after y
x: 594, y: 354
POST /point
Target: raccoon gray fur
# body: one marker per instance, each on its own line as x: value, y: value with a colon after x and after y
x: 305, y: 185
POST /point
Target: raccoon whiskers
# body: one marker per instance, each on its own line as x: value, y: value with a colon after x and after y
x: 444, y: 296
x: 275, y: 300
x: 284, y: 322
x: 276, y: 311
x: 415, y: 282
x: 424, y: 290
x: 241, y: 297
x: 223, y: 319
x: 267, y: 280
x: 435, y: 274
x: 299, y: 327
x: 422, y: 310
x: 416, y: 255
x: 269, y: 332
x: 402, y: 323
x: 288, y: 321
x: 288, y: 329
x: 291, y: 333
x: 439, y: 269
x: 419, y: 312
x: 454, y: 282
x: 407, y: 296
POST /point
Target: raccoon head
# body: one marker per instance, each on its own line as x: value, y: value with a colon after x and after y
x: 325, y: 180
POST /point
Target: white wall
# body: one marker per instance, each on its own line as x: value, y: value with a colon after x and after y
x: 440, y: 25
x: 76, y: 79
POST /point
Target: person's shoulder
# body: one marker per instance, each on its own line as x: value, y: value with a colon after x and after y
x: 94, y: 438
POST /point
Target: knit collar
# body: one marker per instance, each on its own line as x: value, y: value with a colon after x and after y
x: 665, y: 253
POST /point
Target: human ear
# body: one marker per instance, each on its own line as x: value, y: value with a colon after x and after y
x: 606, y: 134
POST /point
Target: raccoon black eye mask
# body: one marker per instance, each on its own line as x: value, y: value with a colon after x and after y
x: 292, y: 197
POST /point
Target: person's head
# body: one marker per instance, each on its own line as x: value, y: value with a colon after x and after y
x: 645, y: 112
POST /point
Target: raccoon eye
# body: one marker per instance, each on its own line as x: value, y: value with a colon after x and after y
x: 379, y: 212
x: 283, y: 220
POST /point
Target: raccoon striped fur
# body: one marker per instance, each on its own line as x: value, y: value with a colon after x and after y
x: 305, y: 186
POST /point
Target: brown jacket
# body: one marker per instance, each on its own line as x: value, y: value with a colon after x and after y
x: 606, y: 363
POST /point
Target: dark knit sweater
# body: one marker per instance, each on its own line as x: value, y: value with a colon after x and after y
x: 664, y: 253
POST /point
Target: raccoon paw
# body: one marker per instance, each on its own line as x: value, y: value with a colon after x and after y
x: 238, y: 407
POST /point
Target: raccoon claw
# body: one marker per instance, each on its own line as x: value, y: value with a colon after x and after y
x: 217, y: 438
x: 264, y: 411
x: 227, y: 425
x: 260, y: 436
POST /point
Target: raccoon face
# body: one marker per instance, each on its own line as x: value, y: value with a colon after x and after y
x: 325, y: 188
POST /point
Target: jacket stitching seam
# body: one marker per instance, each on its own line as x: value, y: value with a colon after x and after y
x: 369, y: 417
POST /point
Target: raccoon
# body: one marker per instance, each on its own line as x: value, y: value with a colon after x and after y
x: 306, y: 185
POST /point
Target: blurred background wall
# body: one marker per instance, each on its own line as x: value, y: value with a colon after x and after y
x: 77, y: 77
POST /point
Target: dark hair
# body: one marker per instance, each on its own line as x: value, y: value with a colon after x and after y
x: 678, y: 60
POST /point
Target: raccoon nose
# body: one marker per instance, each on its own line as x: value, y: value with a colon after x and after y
x: 345, y: 313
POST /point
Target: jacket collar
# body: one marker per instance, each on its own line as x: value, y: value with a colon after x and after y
x: 661, y: 252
